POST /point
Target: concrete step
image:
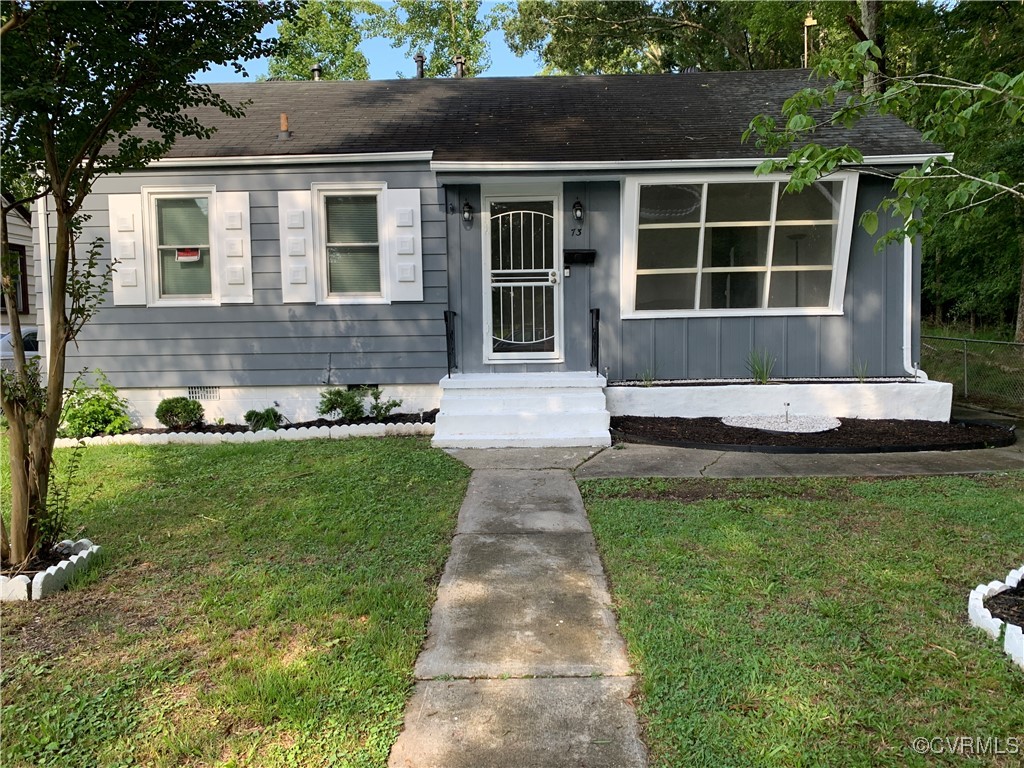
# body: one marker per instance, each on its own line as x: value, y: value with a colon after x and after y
x: 545, y: 401
x: 533, y: 410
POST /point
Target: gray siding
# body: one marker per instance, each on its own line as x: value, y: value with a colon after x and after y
x: 581, y: 292
x: 868, y: 335
x: 273, y: 344
x: 268, y: 343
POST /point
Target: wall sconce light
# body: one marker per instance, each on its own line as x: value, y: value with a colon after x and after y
x: 577, y: 211
x: 467, y: 213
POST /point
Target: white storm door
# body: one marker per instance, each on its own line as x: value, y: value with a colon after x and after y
x: 522, y: 281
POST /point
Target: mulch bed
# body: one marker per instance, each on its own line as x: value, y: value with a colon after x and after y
x: 852, y: 436
x: 221, y: 429
x: 1008, y: 605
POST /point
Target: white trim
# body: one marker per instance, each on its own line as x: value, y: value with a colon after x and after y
x: 152, y: 252
x: 908, y: 311
x: 630, y: 198
x: 322, y: 190
x: 368, y: 157
x: 521, y: 193
x: 46, y: 276
x: 638, y: 165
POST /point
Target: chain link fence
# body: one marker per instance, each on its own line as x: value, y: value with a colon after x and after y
x: 987, y: 374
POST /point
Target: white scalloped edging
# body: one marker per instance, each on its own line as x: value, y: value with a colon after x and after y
x: 54, y: 578
x: 263, y: 435
x: 1013, y: 638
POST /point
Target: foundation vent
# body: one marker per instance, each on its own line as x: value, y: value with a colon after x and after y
x: 204, y: 394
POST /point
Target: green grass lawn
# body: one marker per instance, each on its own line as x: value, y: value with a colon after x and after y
x: 812, y: 622
x: 260, y: 605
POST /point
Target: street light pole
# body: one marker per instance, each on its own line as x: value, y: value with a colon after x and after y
x: 808, y: 22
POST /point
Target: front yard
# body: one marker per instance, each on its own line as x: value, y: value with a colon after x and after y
x: 263, y: 604
x: 814, y: 622
x: 260, y: 605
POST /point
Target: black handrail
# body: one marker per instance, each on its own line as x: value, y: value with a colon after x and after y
x: 449, y: 338
x: 595, y: 339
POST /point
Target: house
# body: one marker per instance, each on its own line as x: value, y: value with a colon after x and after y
x: 510, y: 250
x: 19, y: 232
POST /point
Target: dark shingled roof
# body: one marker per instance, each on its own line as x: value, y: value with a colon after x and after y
x: 697, y: 116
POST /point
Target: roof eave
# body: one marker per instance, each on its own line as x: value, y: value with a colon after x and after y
x: 470, y: 166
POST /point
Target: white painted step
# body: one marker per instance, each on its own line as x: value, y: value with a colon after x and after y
x: 522, y: 410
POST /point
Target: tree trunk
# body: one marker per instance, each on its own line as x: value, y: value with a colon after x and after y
x: 34, y: 414
x: 872, y: 22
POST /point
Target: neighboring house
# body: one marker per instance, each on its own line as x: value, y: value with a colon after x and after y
x: 19, y: 232
x: 539, y: 236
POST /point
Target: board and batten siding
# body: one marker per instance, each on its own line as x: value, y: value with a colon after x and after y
x: 867, y: 338
x: 268, y: 342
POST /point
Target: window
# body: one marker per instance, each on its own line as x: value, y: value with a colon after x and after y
x: 180, y: 247
x: 20, y: 283
x: 183, y: 247
x: 351, y: 247
x: 737, y: 247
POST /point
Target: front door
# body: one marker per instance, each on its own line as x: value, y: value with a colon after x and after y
x: 522, y: 280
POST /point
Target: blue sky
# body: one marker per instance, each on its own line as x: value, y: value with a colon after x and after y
x: 386, y: 61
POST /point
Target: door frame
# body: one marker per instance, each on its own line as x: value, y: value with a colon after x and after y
x: 527, y: 192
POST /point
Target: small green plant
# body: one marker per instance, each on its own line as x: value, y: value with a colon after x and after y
x: 90, y: 411
x: 760, y: 364
x: 348, y: 403
x: 860, y: 370
x: 179, y: 413
x: 268, y: 418
x: 648, y: 376
x: 381, y: 409
x: 58, y: 500
x: 219, y: 421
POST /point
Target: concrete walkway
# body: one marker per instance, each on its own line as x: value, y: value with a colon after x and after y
x: 523, y: 665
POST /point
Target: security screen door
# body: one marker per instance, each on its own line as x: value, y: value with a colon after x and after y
x: 523, y: 291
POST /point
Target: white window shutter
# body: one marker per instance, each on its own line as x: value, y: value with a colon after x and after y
x: 404, y: 236
x: 126, y: 250
x: 234, y: 247
x: 298, y: 276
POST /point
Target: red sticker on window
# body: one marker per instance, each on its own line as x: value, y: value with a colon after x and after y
x: 186, y: 254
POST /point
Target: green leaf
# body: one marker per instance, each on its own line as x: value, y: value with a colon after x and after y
x: 869, y: 220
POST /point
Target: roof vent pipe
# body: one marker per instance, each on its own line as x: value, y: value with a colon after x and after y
x: 419, y: 58
x: 316, y: 70
x: 284, y: 134
x: 460, y: 66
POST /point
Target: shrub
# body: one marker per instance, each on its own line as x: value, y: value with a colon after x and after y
x: 90, y: 411
x: 268, y: 418
x: 179, y: 413
x: 346, y: 402
x: 380, y: 410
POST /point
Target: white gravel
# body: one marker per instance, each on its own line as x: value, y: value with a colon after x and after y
x: 783, y: 423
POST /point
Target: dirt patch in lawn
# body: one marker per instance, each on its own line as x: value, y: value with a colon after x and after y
x: 1008, y: 605
x: 691, y: 491
x: 120, y: 605
x: 852, y: 436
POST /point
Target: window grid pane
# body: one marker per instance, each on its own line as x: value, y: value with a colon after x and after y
x: 353, y: 250
x: 352, y: 219
x: 183, y: 246
x: 746, y: 235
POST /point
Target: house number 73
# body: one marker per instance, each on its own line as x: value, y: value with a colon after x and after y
x: 576, y: 231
